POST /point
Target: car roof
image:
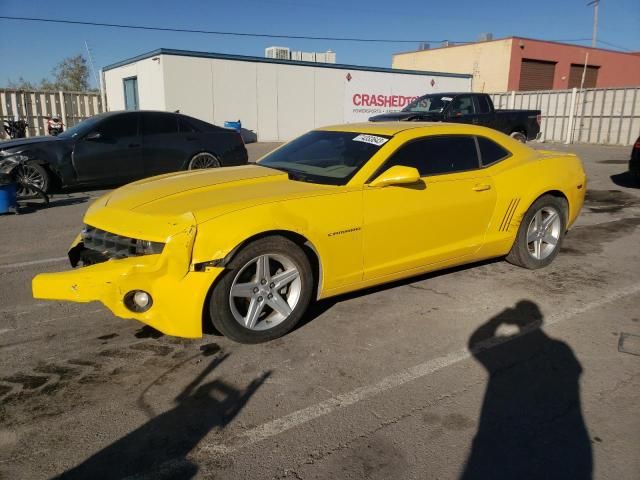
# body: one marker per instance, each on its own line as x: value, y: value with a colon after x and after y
x: 393, y: 127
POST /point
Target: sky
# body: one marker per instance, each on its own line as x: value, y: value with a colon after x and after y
x: 31, y: 50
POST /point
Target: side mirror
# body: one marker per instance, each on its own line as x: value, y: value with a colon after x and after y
x: 93, y: 136
x: 396, y: 175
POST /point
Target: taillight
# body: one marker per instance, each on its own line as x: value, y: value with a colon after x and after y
x: 539, y: 119
x: 637, y: 145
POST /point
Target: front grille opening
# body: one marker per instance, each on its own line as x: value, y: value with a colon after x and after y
x: 112, y: 245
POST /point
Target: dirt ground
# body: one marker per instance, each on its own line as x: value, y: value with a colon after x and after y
x: 487, y: 371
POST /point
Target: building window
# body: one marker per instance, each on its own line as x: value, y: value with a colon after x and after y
x: 536, y: 74
x: 130, y: 93
x: 590, y: 76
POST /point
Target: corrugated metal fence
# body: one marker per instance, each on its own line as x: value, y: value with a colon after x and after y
x: 595, y: 115
x: 34, y: 106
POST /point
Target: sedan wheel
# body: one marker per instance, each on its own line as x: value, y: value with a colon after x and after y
x: 204, y: 160
x: 264, y: 291
x: 31, y: 175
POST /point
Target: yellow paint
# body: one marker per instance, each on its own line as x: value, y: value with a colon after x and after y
x: 363, y: 234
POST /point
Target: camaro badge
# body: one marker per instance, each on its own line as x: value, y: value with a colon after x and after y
x: 342, y: 232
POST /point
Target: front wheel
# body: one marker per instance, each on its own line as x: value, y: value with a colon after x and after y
x: 203, y: 160
x: 264, y: 293
x: 540, y: 234
x: 32, y: 180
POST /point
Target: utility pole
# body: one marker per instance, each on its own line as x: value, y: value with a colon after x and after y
x: 595, y: 4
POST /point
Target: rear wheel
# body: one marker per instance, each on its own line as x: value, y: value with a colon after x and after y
x: 32, y: 177
x: 540, y: 234
x: 204, y: 160
x: 264, y: 293
x: 519, y: 136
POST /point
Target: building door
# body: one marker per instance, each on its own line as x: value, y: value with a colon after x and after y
x: 590, y: 76
x: 131, y: 93
x: 536, y: 75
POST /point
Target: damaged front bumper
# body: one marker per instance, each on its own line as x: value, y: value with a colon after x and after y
x: 177, y: 290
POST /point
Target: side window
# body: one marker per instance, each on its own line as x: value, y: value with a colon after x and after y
x: 185, y: 126
x: 483, y: 104
x: 437, y: 155
x: 462, y: 105
x: 490, y: 151
x: 119, y: 126
x: 155, y: 123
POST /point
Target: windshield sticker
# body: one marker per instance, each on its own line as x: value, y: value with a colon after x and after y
x: 446, y: 99
x: 372, y: 139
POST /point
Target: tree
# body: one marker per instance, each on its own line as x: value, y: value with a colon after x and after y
x: 72, y: 73
x: 21, y: 84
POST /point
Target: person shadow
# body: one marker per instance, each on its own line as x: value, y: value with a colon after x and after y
x: 158, y: 449
x: 531, y: 424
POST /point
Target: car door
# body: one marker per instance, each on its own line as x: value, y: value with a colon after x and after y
x: 111, y: 151
x: 165, y: 147
x: 462, y: 110
x: 484, y: 113
x: 444, y: 217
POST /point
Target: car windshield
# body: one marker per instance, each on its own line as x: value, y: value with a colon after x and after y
x: 428, y: 103
x: 82, y: 128
x: 330, y: 158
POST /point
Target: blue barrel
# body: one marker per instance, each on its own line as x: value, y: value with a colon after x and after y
x: 237, y: 126
x: 7, y: 197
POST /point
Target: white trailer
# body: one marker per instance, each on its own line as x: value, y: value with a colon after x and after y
x: 276, y: 99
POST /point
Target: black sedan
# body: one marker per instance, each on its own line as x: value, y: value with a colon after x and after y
x: 119, y: 147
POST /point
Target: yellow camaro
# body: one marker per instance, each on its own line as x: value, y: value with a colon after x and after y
x: 338, y: 209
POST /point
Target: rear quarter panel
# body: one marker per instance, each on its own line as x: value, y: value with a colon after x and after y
x: 520, y: 181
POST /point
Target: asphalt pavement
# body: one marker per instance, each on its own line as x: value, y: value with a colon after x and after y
x: 487, y: 371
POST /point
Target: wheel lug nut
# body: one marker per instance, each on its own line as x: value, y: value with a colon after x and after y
x: 263, y: 281
x: 260, y: 299
x: 271, y: 285
x: 270, y: 296
x: 256, y: 290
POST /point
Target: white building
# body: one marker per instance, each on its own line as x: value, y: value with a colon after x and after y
x: 276, y: 99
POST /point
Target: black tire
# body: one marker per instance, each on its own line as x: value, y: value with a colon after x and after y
x: 33, y: 172
x: 520, y: 253
x: 519, y: 136
x: 220, y: 308
x: 193, y: 162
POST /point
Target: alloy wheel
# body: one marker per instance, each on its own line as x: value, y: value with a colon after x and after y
x: 543, y: 233
x: 265, y: 292
x: 203, y: 160
x: 28, y: 177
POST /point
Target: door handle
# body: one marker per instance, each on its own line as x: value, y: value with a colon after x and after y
x: 481, y: 188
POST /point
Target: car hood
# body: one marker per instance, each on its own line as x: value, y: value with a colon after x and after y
x: 17, y: 143
x: 205, y: 194
x: 399, y: 116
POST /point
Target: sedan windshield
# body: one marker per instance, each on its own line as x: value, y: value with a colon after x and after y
x: 330, y: 158
x: 82, y: 128
x: 428, y: 103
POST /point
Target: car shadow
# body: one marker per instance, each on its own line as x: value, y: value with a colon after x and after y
x: 626, y: 179
x: 319, y: 307
x: 33, y: 205
x: 159, y: 448
x: 531, y: 424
